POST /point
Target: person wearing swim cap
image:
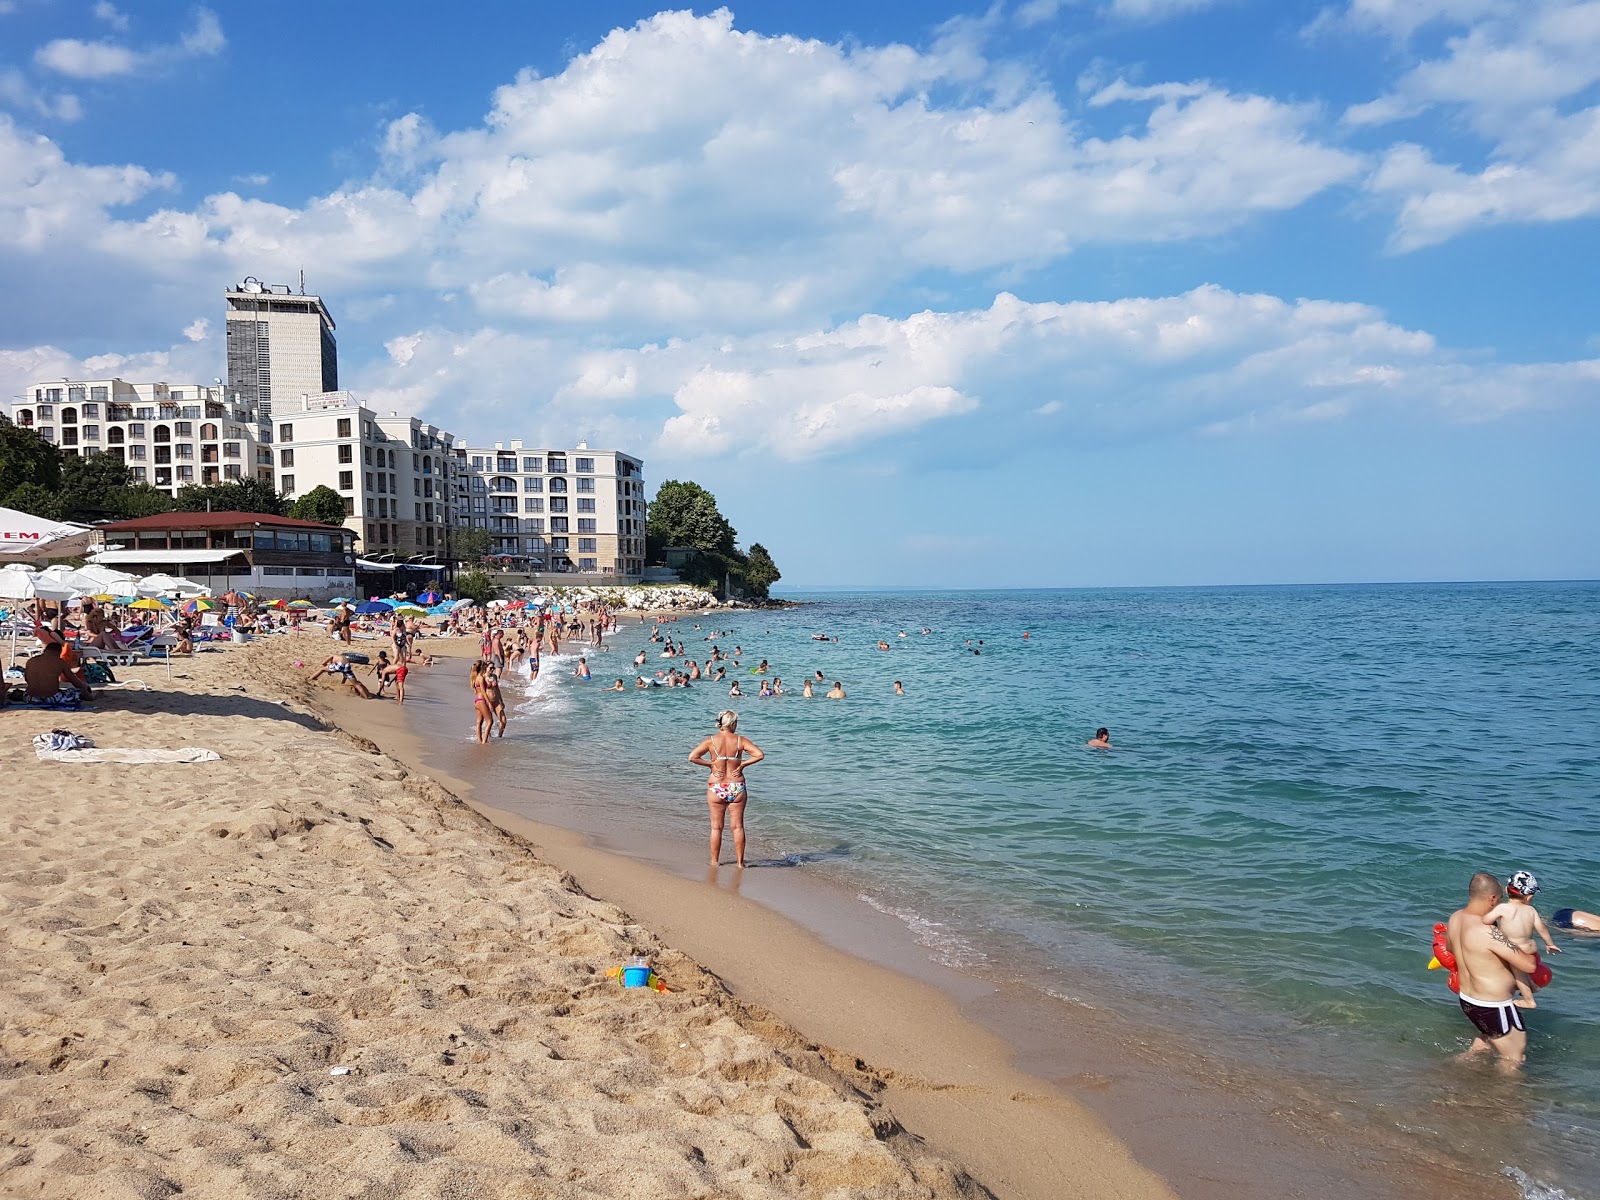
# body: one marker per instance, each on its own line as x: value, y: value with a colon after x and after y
x: 1518, y: 921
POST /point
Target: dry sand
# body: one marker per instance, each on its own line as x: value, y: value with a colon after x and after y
x: 190, y: 949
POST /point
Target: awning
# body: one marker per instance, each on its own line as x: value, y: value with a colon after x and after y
x: 166, y: 556
x: 366, y: 564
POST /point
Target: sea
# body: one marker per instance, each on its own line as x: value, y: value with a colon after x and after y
x: 1302, y: 780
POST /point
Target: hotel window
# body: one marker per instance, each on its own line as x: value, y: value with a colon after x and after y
x: 419, y: 512
x: 69, y: 436
x: 477, y: 462
x: 136, y: 430
x: 585, y: 505
x: 558, y: 545
x: 391, y: 460
x: 534, y: 526
x: 136, y: 452
x: 505, y: 504
x: 47, y: 412
x: 230, y: 450
x: 91, y: 433
x: 208, y: 433
x: 286, y: 433
x: 586, y: 544
x: 533, y: 464
x: 366, y: 455
x: 145, y: 412
x: 347, y: 481
x: 586, y: 485
x: 286, y: 458
x: 533, y: 504
x: 558, y: 485
x: 533, y: 485
x: 505, y: 465
x: 76, y: 393
x: 558, y: 504
x: 163, y: 454
x: 287, y: 482
x: 369, y: 481
x: 372, y: 532
x: 587, y: 564
x: 186, y: 452
x: 587, y: 525
x: 139, y: 474
x: 349, y: 506
x: 186, y: 474
x: 230, y: 471
x: 91, y: 412
x: 558, y: 466
x: 558, y: 525
x: 347, y: 454
x: 585, y: 466
x: 344, y: 426
x: 99, y: 393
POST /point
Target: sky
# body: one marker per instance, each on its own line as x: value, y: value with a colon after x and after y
x: 1034, y: 293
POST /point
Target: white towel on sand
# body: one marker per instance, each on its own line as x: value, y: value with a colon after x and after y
x: 184, y: 754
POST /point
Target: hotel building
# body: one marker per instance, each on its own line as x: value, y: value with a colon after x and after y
x: 169, y: 435
x: 577, y: 511
x: 393, y: 473
x: 279, y: 344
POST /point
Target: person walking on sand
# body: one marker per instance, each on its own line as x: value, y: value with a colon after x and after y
x: 723, y: 753
x: 1485, y: 966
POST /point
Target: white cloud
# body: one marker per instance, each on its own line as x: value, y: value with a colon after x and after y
x: 197, y: 330
x: 18, y: 92
x: 1037, y: 12
x: 107, y: 12
x: 1518, y: 74
x: 79, y: 59
x: 1156, y: 10
x: 255, y: 180
x: 1209, y: 360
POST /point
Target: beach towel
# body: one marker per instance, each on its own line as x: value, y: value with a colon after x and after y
x: 66, y: 700
x: 113, y: 754
x: 61, y: 739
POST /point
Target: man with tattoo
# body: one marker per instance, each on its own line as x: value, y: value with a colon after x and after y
x: 1485, y: 960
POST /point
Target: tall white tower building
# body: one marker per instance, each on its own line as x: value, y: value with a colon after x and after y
x: 279, y: 345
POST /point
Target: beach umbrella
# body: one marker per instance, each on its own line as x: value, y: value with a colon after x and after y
x: 429, y: 597
x: 146, y: 604
x: 301, y: 605
x: 410, y: 610
x: 105, y: 598
x: 280, y: 603
x: 199, y: 605
x: 28, y: 585
x: 372, y: 608
x: 440, y: 610
x: 467, y: 603
x: 27, y: 538
x: 341, y: 600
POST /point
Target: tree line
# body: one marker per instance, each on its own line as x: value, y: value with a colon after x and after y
x: 684, y: 516
x: 38, y: 477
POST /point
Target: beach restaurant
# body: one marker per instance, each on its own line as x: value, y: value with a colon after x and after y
x: 270, y: 557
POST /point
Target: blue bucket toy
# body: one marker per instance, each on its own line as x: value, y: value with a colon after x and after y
x: 636, y: 973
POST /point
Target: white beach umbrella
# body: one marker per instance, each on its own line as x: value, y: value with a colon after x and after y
x: 27, y: 538
x: 163, y: 585
x: 78, y: 581
x: 27, y: 585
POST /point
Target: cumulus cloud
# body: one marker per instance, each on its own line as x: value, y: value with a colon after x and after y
x: 107, y: 12
x: 197, y: 330
x: 17, y: 91
x: 1209, y: 360
x: 1518, y: 75
x: 684, y: 170
x: 78, y: 59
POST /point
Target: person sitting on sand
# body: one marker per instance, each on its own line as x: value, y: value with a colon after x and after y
x: 47, y: 673
x: 1101, y: 739
x: 837, y: 691
x: 1518, y: 921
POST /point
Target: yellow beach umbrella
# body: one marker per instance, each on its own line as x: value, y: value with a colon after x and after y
x: 149, y: 605
x: 104, y: 598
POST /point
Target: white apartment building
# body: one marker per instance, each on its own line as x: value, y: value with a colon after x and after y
x: 392, y: 472
x: 169, y: 435
x: 279, y: 344
x: 555, y: 511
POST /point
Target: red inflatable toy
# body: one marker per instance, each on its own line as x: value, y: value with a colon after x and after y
x: 1540, y: 976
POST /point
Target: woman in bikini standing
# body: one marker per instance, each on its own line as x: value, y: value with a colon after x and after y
x: 724, y: 753
x: 480, y: 703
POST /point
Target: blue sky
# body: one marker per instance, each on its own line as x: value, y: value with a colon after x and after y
x: 1086, y: 292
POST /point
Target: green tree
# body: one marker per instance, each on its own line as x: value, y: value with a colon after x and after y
x: 239, y: 495
x: 470, y: 545
x: 760, y: 572
x: 685, y: 514
x: 321, y: 503
x: 34, y: 499
x: 25, y: 457
x: 140, y: 500
x: 90, y: 486
x: 475, y: 585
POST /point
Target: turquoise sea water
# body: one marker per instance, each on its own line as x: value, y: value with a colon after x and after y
x: 1303, y: 780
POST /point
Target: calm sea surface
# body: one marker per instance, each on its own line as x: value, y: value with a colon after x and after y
x: 1303, y: 780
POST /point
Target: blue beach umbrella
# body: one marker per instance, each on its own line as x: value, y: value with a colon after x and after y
x: 428, y: 597
x: 341, y: 600
x: 372, y: 608
x: 441, y: 610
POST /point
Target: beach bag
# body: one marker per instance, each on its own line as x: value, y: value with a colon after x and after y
x: 98, y: 674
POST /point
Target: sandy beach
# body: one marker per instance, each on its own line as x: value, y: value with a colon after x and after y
x: 192, y: 951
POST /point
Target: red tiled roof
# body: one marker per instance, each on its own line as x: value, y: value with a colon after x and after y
x: 213, y: 520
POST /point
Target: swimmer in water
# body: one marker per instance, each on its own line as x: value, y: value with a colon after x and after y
x: 1101, y: 739
x: 1575, y: 920
x: 898, y: 689
x: 882, y: 645
x: 617, y: 687
x: 805, y: 690
x: 837, y: 692
x: 734, y: 690
x: 583, y: 669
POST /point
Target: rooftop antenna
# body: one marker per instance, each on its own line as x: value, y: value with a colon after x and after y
x: 302, y: 281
